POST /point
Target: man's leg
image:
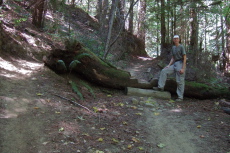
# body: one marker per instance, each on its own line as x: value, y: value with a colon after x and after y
x: 180, y: 85
x: 163, y: 76
x: 180, y: 80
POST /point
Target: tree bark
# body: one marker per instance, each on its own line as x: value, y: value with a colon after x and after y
x: 194, y: 34
x: 163, y: 28
x: 130, y: 29
x: 141, y: 21
x: 113, y: 10
x: 38, y: 14
x: 227, y: 19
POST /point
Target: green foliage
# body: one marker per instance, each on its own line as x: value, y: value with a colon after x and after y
x: 76, y: 90
x: 17, y: 22
x: 60, y: 65
x: 89, y: 88
x: 73, y: 64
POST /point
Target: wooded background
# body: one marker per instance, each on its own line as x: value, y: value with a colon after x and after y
x: 203, y: 26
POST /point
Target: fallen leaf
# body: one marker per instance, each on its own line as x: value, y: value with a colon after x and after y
x: 124, y: 123
x: 161, y: 145
x: 171, y: 101
x: 98, y: 151
x: 109, y: 95
x: 100, y: 139
x: 45, y: 143
x: 81, y: 118
x: 36, y: 107
x: 57, y: 112
x: 133, y: 107
x: 135, y: 140
x: 39, y: 94
x: 198, y: 126
x: 85, y: 134
x: 115, y: 140
x: 120, y: 104
x: 102, y: 129
x: 61, y: 129
x: 156, y: 114
x: 129, y: 146
x: 140, y: 148
x: 139, y: 114
x: 202, y: 136
x: 95, y: 109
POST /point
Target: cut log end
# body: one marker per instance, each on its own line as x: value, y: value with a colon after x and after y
x: 148, y: 93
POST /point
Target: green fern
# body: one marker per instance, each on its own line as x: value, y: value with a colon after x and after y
x: 75, y: 89
x: 73, y: 64
x: 89, y: 88
x: 60, y: 65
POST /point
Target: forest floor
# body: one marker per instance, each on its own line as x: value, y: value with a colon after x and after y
x: 34, y: 119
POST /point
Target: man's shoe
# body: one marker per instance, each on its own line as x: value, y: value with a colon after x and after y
x: 158, y: 89
x: 179, y: 100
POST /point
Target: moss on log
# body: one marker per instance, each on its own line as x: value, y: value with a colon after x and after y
x: 91, y: 67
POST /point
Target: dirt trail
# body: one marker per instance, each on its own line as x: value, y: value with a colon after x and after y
x: 32, y: 120
x: 173, y: 132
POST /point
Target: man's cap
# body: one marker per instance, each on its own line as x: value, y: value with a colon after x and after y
x: 176, y: 36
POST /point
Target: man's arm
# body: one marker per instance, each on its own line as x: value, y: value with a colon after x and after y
x: 171, y: 62
x: 184, y: 65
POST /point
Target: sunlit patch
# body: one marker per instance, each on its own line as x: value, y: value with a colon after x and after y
x: 145, y: 58
x: 19, y: 67
x: 13, y: 107
x: 178, y: 110
x: 31, y: 40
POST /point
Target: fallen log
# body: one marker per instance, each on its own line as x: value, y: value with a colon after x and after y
x: 91, y: 67
x: 196, y: 90
x: 148, y: 93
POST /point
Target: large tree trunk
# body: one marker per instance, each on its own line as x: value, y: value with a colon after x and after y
x: 227, y: 69
x: 113, y: 10
x: 194, y: 35
x: 91, y: 67
x: 141, y: 21
x: 38, y: 14
x: 130, y: 29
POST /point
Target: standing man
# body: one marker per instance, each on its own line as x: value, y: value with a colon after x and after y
x: 177, y: 66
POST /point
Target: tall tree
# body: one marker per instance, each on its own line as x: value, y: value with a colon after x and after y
x: 141, y: 21
x: 227, y: 18
x: 39, y: 13
x: 194, y: 32
x: 130, y: 28
x: 163, y: 27
x: 111, y: 21
x: 120, y: 15
x: 102, y: 12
